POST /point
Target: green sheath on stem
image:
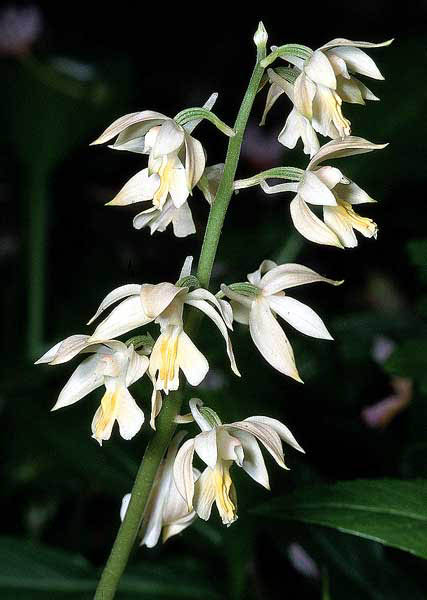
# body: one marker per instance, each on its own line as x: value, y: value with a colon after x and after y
x: 165, y: 423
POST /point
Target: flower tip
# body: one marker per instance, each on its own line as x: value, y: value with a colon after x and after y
x: 338, y: 282
x: 261, y: 36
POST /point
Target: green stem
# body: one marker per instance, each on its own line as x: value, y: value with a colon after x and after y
x: 141, y: 490
x: 37, y: 213
x: 225, y: 189
x: 165, y: 426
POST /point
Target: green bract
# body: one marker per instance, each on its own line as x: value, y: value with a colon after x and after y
x: 195, y: 114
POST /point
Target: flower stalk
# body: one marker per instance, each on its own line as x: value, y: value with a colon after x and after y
x: 165, y: 423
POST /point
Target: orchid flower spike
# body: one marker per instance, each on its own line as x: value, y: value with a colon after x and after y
x: 260, y: 308
x: 218, y: 446
x: 317, y: 87
x: 112, y: 364
x: 327, y: 187
x: 164, y: 304
x: 166, y: 512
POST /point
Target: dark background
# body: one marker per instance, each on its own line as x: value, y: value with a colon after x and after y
x: 59, y: 488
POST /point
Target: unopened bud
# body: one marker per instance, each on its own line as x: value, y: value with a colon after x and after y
x: 261, y: 36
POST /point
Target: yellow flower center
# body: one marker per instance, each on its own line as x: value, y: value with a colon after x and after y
x: 165, y: 173
x: 222, y: 484
x: 108, y: 412
x: 366, y: 226
x: 168, y: 352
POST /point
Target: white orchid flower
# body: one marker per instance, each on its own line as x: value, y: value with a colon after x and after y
x: 219, y: 446
x: 113, y: 365
x: 164, y: 304
x: 166, y: 512
x: 321, y: 83
x: 260, y: 310
x: 327, y: 187
x: 176, y: 162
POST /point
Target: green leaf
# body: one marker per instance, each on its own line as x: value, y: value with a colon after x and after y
x: 390, y: 511
x: 31, y: 570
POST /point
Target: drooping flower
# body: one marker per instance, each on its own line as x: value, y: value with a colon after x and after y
x: 260, y: 309
x: 164, y: 304
x: 317, y: 87
x: 176, y: 163
x: 166, y: 512
x: 327, y: 187
x: 219, y: 445
x: 112, y: 364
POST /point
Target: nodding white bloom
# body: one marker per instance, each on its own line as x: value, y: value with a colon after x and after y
x: 176, y: 162
x: 166, y: 513
x: 219, y: 446
x: 164, y: 304
x: 112, y: 364
x: 327, y: 187
x: 260, y: 310
x: 320, y: 85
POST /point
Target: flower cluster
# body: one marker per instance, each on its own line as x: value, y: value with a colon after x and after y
x: 316, y: 82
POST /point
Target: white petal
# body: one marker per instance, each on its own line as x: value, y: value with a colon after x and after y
x: 88, y: 376
x: 206, y: 308
x: 291, y: 131
x: 274, y: 92
x: 206, y: 447
x: 253, y: 462
x: 349, y: 91
x: 270, y: 339
x: 191, y: 125
x: 200, y: 419
x: 124, y: 507
x: 126, y: 121
x: 330, y: 176
x: 314, y: 191
x: 156, y: 405
x: 358, y: 61
x: 268, y: 437
x: 126, y: 316
x: 221, y: 305
x: 229, y: 446
x: 347, y: 146
x: 264, y: 267
x: 156, y: 298
x: 178, y: 188
x: 195, y: 160
x: 65, y: 350
x: 183, y: 472
x: 204, y: 494
x: 339, y: 66
x: 352, y: 193
x: 304, y: 93
x: 310, y: 226
x: 281, y: 429
x: 118, y: 294
x: 139, y: 188
x: 192, y: 362
x: 186, y: 267
x: 182, y: 221
x: 138, y: 364
x: 129, y: 417
x: 344, y: 42
x: 227, y: 312
x: 169, y: 139
x: 320, y: 70
x: 300, y: 316
x: 240, y: 313
x: 288, y: 276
